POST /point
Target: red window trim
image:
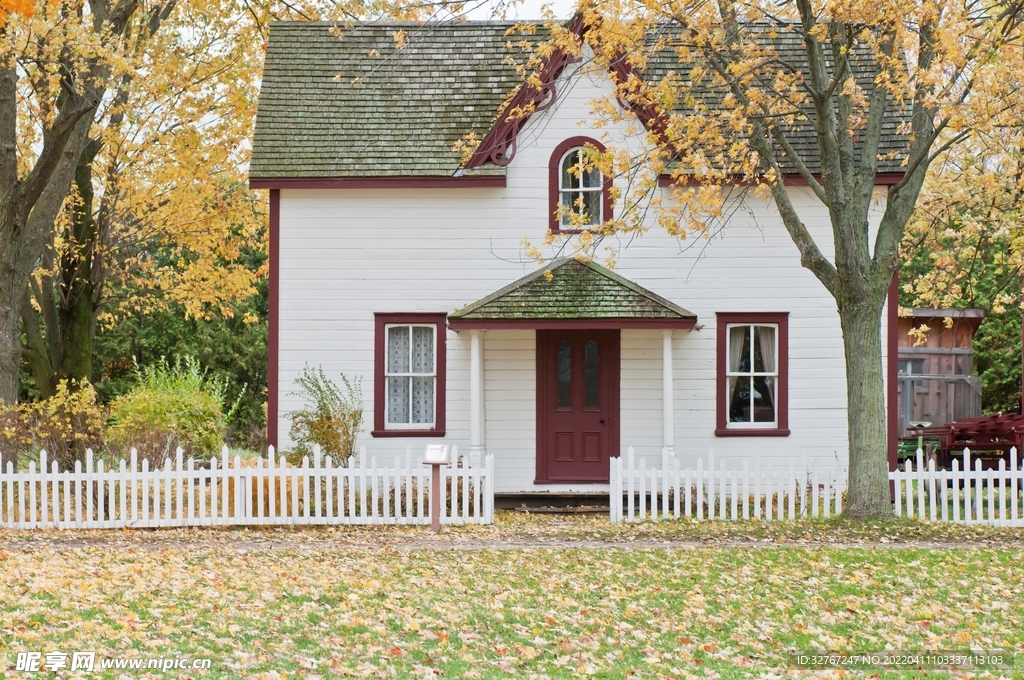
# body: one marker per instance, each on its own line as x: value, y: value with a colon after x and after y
x: 722, y: 427
x: 554, y: 173
x: 380, y: 320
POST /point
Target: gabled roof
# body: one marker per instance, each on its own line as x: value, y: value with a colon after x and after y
x: 343, y: 102
x: 569, y: 290
x: 330, y: 108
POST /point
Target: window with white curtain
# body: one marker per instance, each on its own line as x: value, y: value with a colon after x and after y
x: 752, y: 374
x: 410, y: 376
x: 581, y: 190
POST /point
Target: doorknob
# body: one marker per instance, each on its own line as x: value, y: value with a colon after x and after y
x: 602, y: 421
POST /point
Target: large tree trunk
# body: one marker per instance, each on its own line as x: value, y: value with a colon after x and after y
x: 25, y: 243
x: 78, y: 300
x: 10, y: 338
x: 868, y: 486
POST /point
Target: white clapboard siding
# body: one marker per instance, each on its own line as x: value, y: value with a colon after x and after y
x: 347, y: 253
x: 641, y: 490
x: 232, y: 491
x: 963, y: 494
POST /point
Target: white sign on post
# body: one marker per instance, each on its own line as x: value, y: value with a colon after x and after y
x: 435, y: 454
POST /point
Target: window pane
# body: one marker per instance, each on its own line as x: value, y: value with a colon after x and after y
x: 564, y: 375
x: 764, y: 399
x: 569, y: 169
x: 739, y: 349
x: 764, y: 349
x: 739, y: 399
x: 568, y: 207
x: 398, y: 349
x: 592, y: 207
x: 590, y: 381
x: 592, y: 178
x: 422, y: 349
x: 398, y: 400
x: 423, y: 400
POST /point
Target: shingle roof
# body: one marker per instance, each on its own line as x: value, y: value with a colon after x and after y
x: 575, y: 290
x: 344, y: 102
x: 787, y: 43
x: 327, y: 108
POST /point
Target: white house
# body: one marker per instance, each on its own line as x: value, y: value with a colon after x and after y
x: 394, y: 260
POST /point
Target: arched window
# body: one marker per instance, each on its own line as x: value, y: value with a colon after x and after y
x: 580, y: 190
x: 580, y: 194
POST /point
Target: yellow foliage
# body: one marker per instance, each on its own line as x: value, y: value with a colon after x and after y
x: 725, y: 88
x: 65, y: 425
x: 25, y: 8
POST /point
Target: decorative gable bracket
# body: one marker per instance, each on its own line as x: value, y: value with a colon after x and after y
x: 499, y: 144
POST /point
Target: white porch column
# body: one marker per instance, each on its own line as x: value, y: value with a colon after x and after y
x: 667, y: 400
x: 476, y: 392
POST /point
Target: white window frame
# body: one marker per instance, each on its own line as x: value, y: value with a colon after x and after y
x: 562, y: 190
x: 388, y: 425
x: 760, y: 424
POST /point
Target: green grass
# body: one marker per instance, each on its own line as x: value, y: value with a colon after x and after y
x: 299, y: 603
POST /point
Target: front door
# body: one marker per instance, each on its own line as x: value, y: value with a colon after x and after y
x: 577, y: 404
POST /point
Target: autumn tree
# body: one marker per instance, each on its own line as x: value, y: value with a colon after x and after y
x: 964, y: 247
x: 56, y: 63
x: 153, y: 206
x: 732, y: 102
x: 158, y: 209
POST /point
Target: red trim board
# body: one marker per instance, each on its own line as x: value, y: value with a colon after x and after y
x: 273, y: 315
x: 376, y: 182
x: 793, y: 180
x: 571, y: 324
x: 892, y: 371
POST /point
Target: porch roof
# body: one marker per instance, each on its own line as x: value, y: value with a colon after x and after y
x: 568, y: 293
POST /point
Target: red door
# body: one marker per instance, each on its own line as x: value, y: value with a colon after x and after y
x: 577, y: 404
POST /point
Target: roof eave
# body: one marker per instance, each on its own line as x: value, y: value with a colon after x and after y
x: 649, y: 323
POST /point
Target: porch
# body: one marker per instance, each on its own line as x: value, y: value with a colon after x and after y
x: 557, y: 361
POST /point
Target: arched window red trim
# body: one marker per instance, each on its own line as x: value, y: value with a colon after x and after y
x: 554, y: 183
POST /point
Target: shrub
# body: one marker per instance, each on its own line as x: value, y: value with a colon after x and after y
x: 171, y: 406
x: 331, y: 418
x: 65, y: 425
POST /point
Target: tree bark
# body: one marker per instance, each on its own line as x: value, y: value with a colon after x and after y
x: 77, y: 300
x: 21, y: 253
x: 868, y: 481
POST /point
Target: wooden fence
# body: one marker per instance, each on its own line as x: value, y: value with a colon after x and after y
x: 961, y: 494
x: 757, y: 491
x: 234, y: 491
x: 973, y: 496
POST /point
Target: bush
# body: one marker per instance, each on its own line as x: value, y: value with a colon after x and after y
x: 65, y: 425
x: 171, y: 406
x: 331, y: 418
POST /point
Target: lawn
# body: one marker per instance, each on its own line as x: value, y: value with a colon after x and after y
x: 395, y: 602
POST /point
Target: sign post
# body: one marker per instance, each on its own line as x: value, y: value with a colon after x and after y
x: 435, y: 455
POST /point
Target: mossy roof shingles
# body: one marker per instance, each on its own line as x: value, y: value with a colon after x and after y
x: 340, y: 101
x: 344, y: 102
x: 574, y: 290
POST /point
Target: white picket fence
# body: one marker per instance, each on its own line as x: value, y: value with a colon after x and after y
x: 962, y: 494
x: 233, y: 491
x: 973, y: 496
x: 757, y: 491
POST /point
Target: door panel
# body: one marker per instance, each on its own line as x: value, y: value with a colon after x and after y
x: 577, y: 404
x: 563, y: 447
